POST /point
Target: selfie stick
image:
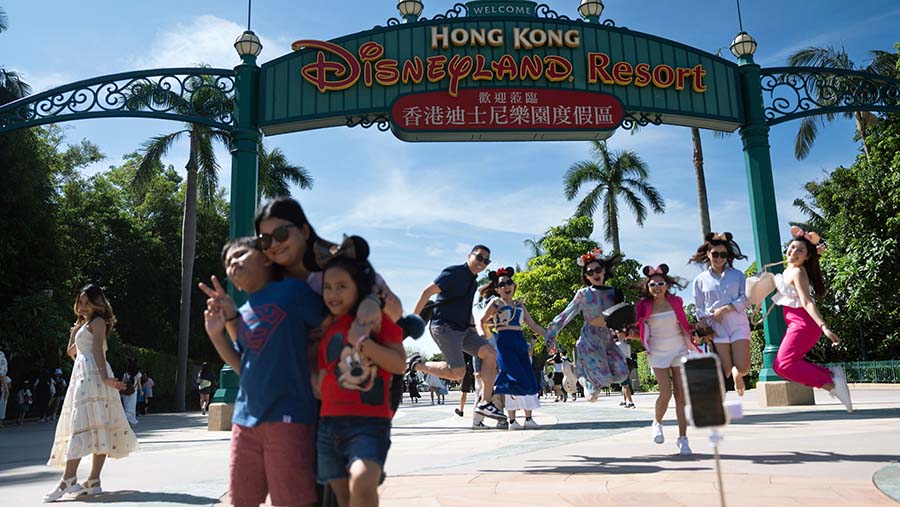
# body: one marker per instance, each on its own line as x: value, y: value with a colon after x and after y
x: 714, y: 439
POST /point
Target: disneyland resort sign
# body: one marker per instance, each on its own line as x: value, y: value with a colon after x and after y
x: 499, y: 79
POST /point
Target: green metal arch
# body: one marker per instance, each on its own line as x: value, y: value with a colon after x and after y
x: 167, y: 94
x: 790, y: 93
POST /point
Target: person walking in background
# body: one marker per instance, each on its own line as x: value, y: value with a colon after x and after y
x: 434, y: 387
x: 132, y: 380
x: 466, y: 386
x: 413, y: 381
x: 598, y: 361
x: 795, y: 292
x: 59, y: 393
x: 666, y: 334
x: 205, y: 381
x: 720, y: 301
x: 627, y: 388
x: 43, y: 391
x: 24, y: 399
x: 148, y: 391
x: 5, y: 386
x: 92, y: 420
x: 141, y: 401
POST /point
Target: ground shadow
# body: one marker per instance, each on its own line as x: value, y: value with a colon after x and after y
x: 820, y: 415
x: 29, y: 477
x: 115, y: 497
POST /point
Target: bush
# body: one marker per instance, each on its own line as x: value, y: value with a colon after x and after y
x: 162, y: 367
x: 648, y: 381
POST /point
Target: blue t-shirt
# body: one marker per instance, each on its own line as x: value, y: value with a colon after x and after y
x: 272, y: 341
x: 457, y: 284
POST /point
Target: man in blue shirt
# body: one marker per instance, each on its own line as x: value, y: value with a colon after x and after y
x: 453, y: 328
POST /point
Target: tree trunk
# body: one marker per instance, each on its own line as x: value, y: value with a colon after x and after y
x: 188, y: 248
x: 863, y: 129
x: 702, y: 201
x: 614, y: 227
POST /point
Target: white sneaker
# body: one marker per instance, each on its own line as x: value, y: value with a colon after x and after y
x: 514, y: 425
x: 841, y: 391
x: 683, y: 448
x: 65, y: 487
x: 656, y: 433
x: 531, y: 425
x: 480, y: 426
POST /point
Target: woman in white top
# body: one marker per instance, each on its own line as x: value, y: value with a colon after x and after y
x: 805, y: 324
x: 92, y: 420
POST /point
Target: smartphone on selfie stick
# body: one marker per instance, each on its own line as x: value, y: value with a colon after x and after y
x: 704, y: 384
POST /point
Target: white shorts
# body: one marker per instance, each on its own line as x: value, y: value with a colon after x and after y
x: 733, y: 327
x: 666, y: 352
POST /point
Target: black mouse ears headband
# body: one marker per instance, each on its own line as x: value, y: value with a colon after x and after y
x: 662, y: 269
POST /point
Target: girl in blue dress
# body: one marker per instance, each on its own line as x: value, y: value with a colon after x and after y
x: 504, y: 316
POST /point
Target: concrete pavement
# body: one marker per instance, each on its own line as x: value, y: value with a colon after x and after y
x: 586, y: 454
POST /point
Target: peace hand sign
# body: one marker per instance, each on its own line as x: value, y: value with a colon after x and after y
x: 219, y: 299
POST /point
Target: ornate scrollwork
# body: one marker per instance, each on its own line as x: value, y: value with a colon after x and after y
x: 544, y: 11
x: 457, y: 11
x: 380, y: 121
x: 795, y: 92
x: 608, y: 22
x: 633, y: 120
x: 391, y: 22
x: 195, y: 95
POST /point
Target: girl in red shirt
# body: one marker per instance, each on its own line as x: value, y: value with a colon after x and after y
x: 355, y: 369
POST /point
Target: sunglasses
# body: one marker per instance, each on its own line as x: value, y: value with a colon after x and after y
x: 656, y: 284
x: 592, y: 272
x: 482, y: 259
x: 504, y: 284
x: 718, y: 255
x: 279, y: 234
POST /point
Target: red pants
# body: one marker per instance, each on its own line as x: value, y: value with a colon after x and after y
x: 273, y: 458
x: 801, y: 336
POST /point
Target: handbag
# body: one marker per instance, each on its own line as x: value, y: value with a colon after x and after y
x: 760, y: 286
x: 129, y: 388
x: 619, y: 317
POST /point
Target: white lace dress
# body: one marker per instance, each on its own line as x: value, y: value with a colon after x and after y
x: 92, y: 420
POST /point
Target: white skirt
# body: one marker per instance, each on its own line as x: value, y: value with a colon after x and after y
x: 522, y: 402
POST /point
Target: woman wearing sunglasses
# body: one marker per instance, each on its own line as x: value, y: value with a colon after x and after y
x: 666, y: 334
x: 720, y: 300
x: 505, y: 316
x: 598, y: 361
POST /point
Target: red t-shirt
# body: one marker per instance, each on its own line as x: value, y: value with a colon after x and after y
x: 353, y: 385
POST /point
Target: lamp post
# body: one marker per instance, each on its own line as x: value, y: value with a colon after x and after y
x: 410, y: 10
x: 244, y: 176
x: 764, y: 214
x: 590, y: 10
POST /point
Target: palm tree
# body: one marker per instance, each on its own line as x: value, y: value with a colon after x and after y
x: 621, y: 174
x: 814, y: 219
x: 882, y: 63
x: 4, y: 20
x: 275, y: 171
x: 11, y: 85
x: 202, y: 177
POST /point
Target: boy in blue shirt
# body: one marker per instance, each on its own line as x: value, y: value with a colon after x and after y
x: 273, y: 432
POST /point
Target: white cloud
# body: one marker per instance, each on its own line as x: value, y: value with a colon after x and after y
x: 203, y: 39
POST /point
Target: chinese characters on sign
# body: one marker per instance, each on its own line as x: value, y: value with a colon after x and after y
x: 507, y: 109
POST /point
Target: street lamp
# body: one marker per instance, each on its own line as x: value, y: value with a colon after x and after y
x: 410, y: 10
x: 248, y: 44
x: 743, y: 45
x: 590, y: 10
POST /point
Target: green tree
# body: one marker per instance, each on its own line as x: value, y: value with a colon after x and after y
x: 612, y: 176
x: 276, y: 172
x: 551, y: 279
x: 881, y: 63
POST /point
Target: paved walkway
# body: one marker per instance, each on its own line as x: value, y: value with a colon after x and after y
x: 593, y: 454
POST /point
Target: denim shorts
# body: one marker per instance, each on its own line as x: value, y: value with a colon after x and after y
x: 343, y: 440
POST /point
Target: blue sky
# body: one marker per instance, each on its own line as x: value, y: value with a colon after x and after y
x: 422, y: 205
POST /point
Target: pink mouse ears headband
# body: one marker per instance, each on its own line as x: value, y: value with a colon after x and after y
x: 812, y: 237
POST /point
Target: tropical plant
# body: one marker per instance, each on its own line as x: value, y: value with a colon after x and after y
x: 614, y: 175
x: 202, y: 178
x: 882, y: 63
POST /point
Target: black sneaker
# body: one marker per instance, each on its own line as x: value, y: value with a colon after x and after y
x: 411, y: 362
x: 458, y: 412
x: 488, y: 409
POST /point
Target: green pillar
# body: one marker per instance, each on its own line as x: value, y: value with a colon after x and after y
x: 244, y: 176
x: 755, y: 136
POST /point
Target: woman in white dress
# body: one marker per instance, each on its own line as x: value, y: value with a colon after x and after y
x: 131, y: 377
x: 92, y: 420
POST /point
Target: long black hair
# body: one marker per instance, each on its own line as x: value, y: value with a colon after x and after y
x: 811, y: 264
x: 490, y: 289
x: 289, y: 209
x: 714, y: 239
x: 607, y: 264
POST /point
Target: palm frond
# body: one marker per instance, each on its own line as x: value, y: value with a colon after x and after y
x: 4, y: 20
x: 883, y: 63
x: 11, y: 86
x: 153, y: 151
x: 634, y: 202
x: 207, y: 168
x: 588, y: 206
x: 630, y: 163
x: 581, y: 173
x: 827, y: 58
x: 806, y: 136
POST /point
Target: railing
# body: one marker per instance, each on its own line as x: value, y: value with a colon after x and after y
x: 871, y: 372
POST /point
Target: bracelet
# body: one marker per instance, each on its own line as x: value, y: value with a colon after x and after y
x: 823, y: 325
x: 234, y: 317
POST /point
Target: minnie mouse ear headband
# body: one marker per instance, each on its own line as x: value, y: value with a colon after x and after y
x: 352, y: 247
x: 507, y: 271
x: 594, y: 255
x: 662, y: 269
x: 719, y: 236
x: 812, y: 237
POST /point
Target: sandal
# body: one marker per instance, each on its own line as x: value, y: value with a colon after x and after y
x: 92, y: 487
x: 64, y: 487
